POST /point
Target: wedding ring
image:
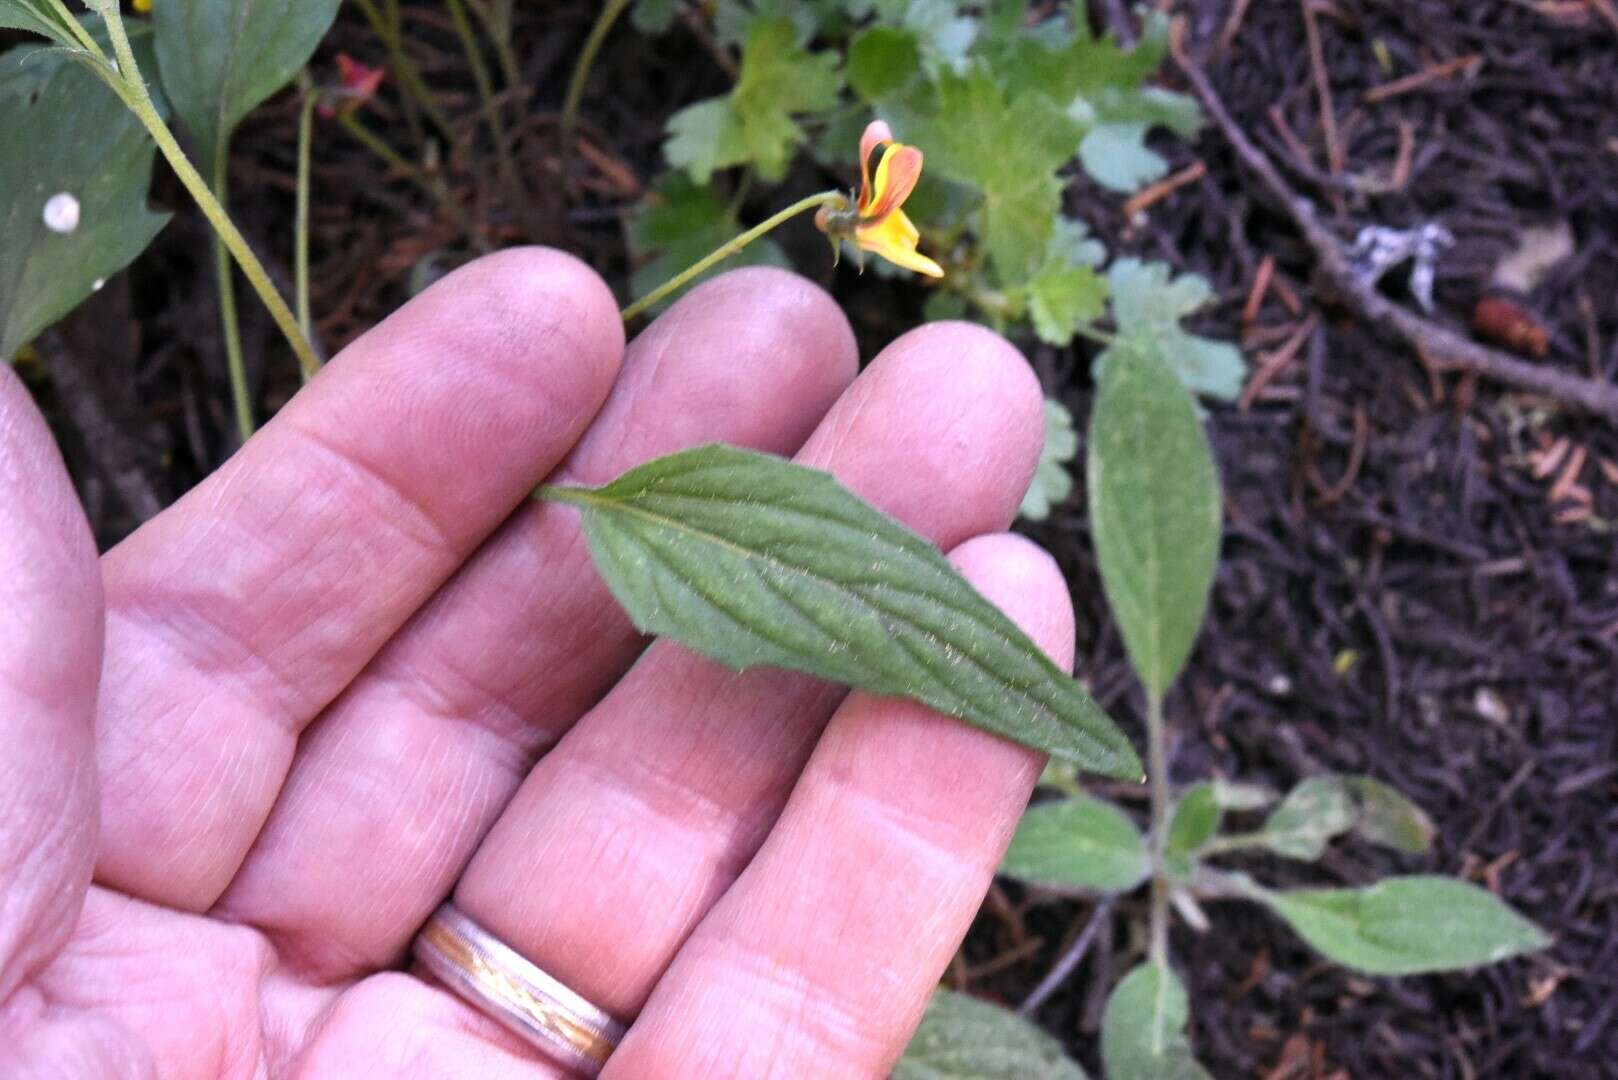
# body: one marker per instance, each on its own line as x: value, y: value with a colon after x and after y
x: 497, y: 980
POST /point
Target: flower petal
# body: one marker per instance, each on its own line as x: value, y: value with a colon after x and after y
x: 894, y: 238
x: 896, y: 177
x: 876, y: 134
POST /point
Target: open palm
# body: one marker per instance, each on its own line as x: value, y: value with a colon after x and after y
x: 355, y: 673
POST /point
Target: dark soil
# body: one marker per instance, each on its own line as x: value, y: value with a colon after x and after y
x: 1420, y: 577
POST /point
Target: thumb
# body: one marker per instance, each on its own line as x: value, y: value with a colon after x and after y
x: 50, y: 665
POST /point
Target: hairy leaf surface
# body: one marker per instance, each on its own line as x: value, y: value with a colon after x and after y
x: 753, y: 560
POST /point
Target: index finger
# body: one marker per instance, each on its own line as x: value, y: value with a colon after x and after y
x: 237, y: 615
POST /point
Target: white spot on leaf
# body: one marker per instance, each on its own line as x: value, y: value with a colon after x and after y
x: 62, y: 213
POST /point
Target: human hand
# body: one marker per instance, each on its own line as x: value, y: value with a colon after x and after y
x: 355, y: 673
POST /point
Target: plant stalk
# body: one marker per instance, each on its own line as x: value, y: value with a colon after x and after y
x: 128, y: 84
x: 434, y: 186
x: 610, y: 11
x: 415, y: 93
x: 515, y: 194
x: 300, y: 225
x: 731, y: 247
x: 1157, y: 769
x: 230, y: 326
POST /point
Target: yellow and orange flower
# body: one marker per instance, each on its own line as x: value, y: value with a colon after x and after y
x: 875, y: 222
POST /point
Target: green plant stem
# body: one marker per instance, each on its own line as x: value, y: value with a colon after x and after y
x: 496, y: 22
x: 300, y: 226
x: 414, y: 89
x: 610, y: 11
x: 515, y: 195
x: 731, y: 247
x: 76, y: 28
x: 1157, y: 772
x: 229, y: 324
x: 433, y: 186
x: 128, y: 84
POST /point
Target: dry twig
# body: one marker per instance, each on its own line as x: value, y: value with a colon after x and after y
x: 1438, y: 342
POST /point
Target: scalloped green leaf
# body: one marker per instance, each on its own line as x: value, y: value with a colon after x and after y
x: 1052, y: 482
x: 754, y: 124
x: 1148, y: 303
x: 752, y: 560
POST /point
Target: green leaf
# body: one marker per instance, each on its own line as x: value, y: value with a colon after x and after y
x: 1081, y: 843
x: 680, y: 223
x: 36, y: 18
x: 1143, y: 1028
x: 1324, y: 807
x: 1409, y: 925
x: 1312, y: 815
x: 939, y: 29
x: 1194, y: 822
x: 1148, y: 307
x: 652, y: 16
x: 1154, y: 509
x: 220, y: 59
x: 753, y: 124
x: 881, y: 62
x: 1117, y: 157
x: 1101, y: 86
x: 963, y: 1038
x: 1388, y: 818
x: 1011, y: 151
x: 751, y: 560
x: 1052, y: 482
x: 1064, y: 298
x: 65, y: 133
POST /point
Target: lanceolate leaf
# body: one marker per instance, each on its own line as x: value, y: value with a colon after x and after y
x: 1154, y: 509
x: 1388, y: 818
x: 1313, y: 814
x: 1143, y: 1028
x: 1408, y: 925
x: 1195, y: 820
x: 753, y: 560
x: 65, y: 136
x: 221, y: 58
x: 963, y: 1038
x: 1078, y: 843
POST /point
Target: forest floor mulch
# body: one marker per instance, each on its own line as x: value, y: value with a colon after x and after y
x: 1420, y: 570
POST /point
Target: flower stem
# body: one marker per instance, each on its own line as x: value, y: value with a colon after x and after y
x: 229, y: 323
x: 731, y: 247
x: 610, y: 11
x: 300, y: 223
x: 128, y: 84
x: 414, y: 91
x: 433, y: 186
x: 1157, y: 768
x: 515, y: 193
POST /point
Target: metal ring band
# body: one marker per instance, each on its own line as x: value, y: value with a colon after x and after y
x: 499, y: 981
